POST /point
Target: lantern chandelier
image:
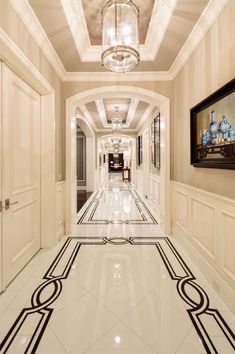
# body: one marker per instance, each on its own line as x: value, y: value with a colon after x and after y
x: 120, y: 36
x: 116, y: 122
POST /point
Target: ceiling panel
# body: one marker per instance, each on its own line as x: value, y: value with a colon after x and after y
x: 92, y: 109
x: 92, y: 10
x: 111, y: 104
x: 52, y: 18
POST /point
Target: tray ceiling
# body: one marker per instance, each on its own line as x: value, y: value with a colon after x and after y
x: 73, y: 28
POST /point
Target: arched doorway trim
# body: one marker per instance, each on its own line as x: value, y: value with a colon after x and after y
x: 146, y: 95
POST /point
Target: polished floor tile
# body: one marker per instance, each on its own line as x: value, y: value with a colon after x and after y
x: 114, y: 288
x: 122, y: 340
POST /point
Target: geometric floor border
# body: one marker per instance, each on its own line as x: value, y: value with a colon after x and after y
x: 181, y: 274
x: 140, y: 205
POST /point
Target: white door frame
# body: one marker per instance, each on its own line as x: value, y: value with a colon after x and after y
x: 14, y: 58
x: 110, y: 91
x: 146, y: 160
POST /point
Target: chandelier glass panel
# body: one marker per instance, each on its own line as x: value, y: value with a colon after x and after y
x: 120, y: 35
x: 116, y: 122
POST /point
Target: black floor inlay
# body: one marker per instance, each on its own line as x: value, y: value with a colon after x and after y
x: 58, y: 272
x: 145, y: 216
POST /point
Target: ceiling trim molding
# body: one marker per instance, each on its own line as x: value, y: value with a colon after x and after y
x: 73, y: 10
x: 27, y: 15
x: 103, y: 117
x: 131, y: 111
x: 145, y: 116
x: 17, y: 60
x: 74, y: 13
x: 87, y: 115
x: 162, y: 13
x: 125, y: 77
x: 206, y: 20
x: 101, y: 111
x: 209, y: 15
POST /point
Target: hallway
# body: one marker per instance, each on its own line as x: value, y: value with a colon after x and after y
x: 116, y: 289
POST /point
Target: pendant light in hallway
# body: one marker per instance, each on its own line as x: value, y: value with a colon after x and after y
x: 120, y: 36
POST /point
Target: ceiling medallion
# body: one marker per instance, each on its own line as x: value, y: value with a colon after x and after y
x: 120, y: 36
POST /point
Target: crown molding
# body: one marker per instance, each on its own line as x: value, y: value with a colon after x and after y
x: 207, y: 18
x: 110, y: 77
x: 17, y: 60
x: 74, y: 13
x: 209, y: 15
x: 162, y: 13
x: 27, y: 15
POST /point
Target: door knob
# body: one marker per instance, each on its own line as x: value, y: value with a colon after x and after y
x: 8, y: 204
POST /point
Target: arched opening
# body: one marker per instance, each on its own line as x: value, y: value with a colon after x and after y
x: 127, y: 149
x: 111, y: 91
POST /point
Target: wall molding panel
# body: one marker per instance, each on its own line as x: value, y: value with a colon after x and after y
x: 60, y: 209
x: 204, y: 223
x: 153, y: 189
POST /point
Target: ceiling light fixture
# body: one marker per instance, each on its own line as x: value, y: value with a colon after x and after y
x: 116, y: 121
x: 120, y: 36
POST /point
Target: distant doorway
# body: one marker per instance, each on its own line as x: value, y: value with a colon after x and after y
x: 116, y: 163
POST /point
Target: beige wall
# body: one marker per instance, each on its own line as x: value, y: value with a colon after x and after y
x: 210, y: 67
x: 164, y: 88
x: 14, y: 27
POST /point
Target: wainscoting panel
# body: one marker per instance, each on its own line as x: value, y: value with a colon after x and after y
x: 181, y: 216
x: 154, y: 190
x: 228, y: 236
x: 140, y: 181
x: 153, y: 187
x: 204, y: 223
x: 203, y: 226
x: 60, y: 209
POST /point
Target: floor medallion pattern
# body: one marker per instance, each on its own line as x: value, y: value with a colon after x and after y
x: 196, y: 301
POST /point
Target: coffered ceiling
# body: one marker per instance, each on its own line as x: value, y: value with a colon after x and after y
x: 99, y: 113
x: 74, y: 29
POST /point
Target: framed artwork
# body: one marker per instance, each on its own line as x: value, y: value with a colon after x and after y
x: 213, y: 130
x: 152, y: 144
x: 100, y: 160
x: 139, y: 150
x: 157, y: 141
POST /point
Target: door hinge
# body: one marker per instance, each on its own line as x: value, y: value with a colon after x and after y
x: 1, y: 206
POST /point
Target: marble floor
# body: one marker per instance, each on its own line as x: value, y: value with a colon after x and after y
x: 116, y: 285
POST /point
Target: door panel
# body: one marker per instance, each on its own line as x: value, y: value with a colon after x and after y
x: 20, y: 173
x: 1, y: 253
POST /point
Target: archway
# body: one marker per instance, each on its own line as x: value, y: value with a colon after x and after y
x: 131, y: 139
x: 148, y: 96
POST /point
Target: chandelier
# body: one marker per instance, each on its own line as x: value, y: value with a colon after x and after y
x: 116, y: 122
x: 120, y: 36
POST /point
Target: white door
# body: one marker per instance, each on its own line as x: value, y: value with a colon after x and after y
x: 1, y: 253
x: 20, y: 173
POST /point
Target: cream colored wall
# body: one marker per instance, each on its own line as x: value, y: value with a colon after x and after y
x: 164, y: 88
x: 211, y: 66
x: 14, y: 27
